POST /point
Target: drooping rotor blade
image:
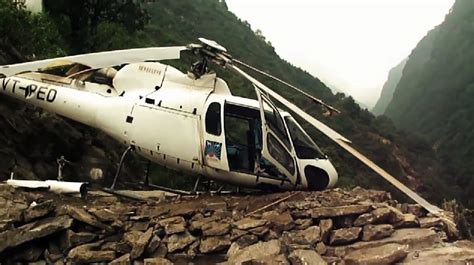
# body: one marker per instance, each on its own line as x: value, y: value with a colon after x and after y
x: 101, y: 59
x: 341, y: 141
x: 317, y: 100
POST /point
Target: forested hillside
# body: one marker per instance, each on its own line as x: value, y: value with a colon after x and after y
x: 435, y: 96
x: 388, y: 88
x: 79, y: 27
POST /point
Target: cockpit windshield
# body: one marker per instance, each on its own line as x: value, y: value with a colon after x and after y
x: 304, y: 146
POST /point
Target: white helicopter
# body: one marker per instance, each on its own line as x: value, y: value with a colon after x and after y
x: 187, y: 121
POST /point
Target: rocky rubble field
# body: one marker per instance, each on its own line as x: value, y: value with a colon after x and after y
x: 334, y: 227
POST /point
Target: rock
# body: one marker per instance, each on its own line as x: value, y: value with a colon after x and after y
x: 305, y: 257
x: 415, y: 209
x: 214, y: 244
x: 247, y: 240
x: 179, y: 241
x: 344, y: 236
x: 279, y: 221
x: 184, y: 211
x: 104, y: 215
x: 85, y: 217
x: 198, y: 221
x: 415, y: 238
x: 157, y: 261
x: 270, y: 235
x: 262, y: 250
x: 117, y: 246
x: 152, y: 212
x: 28, y: 252
x: 326, y: 226
x: 259, y: 231
x: 172, y: 220
x: 302, y: 224
x: 309, y: 236
x: 215, y: 229
x: 216, y: 206
x: 249, y: 223
x: 37, y: 211
x: 427, y: 222
x: 124, y: 259
x: 171, y: 229
x: 154, y: 243
x: 456, y: 253
x: 409, y: 221
x: 137, y: 226
x: 375, y: 232
x: 321, y: 248
x: 339, y: 211
x: 364, y: 219
x: 6, y: 225
x: 31, y: 231
x: 90, y: 253
x: 236, y: 234
x: 69, y: 239
x: 138, y: 241
x: 381, y: 255
x: 274, y: 260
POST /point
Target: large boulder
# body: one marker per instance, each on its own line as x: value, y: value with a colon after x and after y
x: 381, y: 255
x: 31, y: 231
x: 262, y: 250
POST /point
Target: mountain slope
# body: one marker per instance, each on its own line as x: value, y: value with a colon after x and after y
x: 435, y: 97
x: 388, y: 88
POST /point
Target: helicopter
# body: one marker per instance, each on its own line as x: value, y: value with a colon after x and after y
x: 189, y: 122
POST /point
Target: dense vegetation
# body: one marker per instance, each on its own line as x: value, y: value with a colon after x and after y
x: 435, y: 96
x: 169, y: 22
x: 388, y: 88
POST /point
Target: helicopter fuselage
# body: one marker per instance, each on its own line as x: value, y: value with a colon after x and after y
x: 187, y: 124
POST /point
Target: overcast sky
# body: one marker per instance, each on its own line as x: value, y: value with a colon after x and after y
x: 349, y: 44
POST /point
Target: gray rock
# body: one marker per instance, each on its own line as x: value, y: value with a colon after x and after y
x: 381, y: 255
x: 215, y: 229
x: 249, y: 223
x: 90, y: 253
x: 179, y: 241
x: 31, y: 231
x: 279, y: 221
x: 344, y: 236
x: 138, y: 241
x: 262, y: 250
x: 305, y: 257
x: 214, y: 244
x: 154, y: 243
x: 339, y: 211
x: 157, y: 261
x: 37, y: 211
x: 375, y: 232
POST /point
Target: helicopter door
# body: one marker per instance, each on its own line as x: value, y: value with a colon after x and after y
x: 214, y: 138
x: 276, y: 146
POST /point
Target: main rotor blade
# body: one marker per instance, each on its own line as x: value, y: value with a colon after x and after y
x: 317, y: 100
x: 341, y: 141
x: 101, y: 59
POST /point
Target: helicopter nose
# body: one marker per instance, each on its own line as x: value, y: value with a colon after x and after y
x: 320, y: 175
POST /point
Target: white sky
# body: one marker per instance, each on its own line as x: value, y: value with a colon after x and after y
x: 349, y: 44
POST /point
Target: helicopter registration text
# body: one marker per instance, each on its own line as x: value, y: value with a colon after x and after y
x: 42, y: 93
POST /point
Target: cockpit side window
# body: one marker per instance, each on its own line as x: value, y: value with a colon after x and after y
x: 303, y: 144
x: 213, y: 119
